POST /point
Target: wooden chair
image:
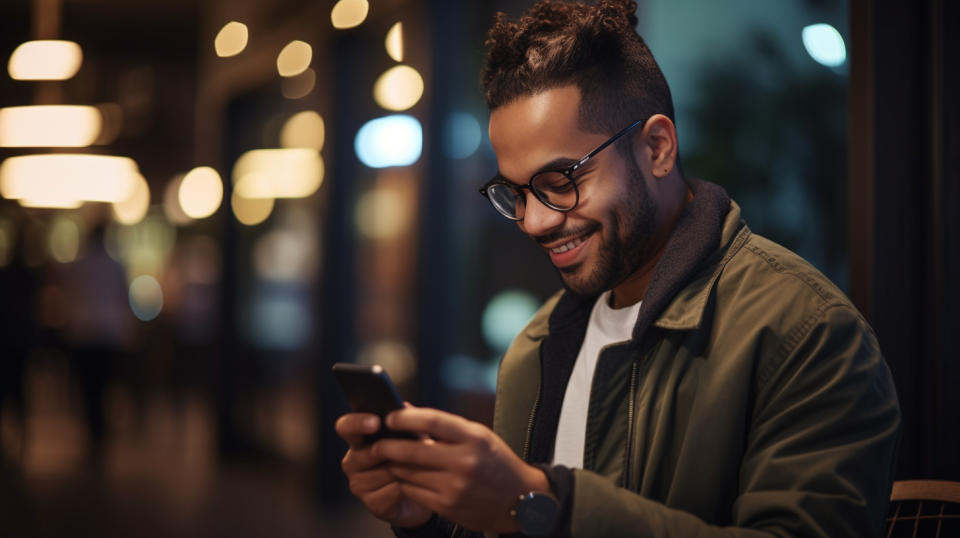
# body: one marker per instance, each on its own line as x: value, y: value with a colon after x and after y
x: 922, y: 508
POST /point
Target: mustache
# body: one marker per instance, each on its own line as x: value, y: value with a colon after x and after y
x: 561, y: 235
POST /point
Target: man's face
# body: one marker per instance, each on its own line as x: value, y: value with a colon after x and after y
x: 608, y: 235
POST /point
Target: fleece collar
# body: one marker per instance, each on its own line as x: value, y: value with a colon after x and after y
x: 695, y: 240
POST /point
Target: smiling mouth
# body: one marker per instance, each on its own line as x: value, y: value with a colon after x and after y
x: 569, y: 245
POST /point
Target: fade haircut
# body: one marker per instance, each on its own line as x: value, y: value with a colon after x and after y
x: 597, y: 48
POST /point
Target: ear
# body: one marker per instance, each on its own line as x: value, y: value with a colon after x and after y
x: 658, y: 143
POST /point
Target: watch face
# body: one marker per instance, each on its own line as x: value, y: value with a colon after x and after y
x: 537, y: 514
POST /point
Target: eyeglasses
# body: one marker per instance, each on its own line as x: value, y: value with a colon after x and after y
x: 555, y: 188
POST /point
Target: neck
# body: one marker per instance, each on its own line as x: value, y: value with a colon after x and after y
x: 634, y: 287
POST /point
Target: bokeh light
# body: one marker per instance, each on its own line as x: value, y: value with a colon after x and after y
x: 146, y: 297
x: 134, y: 208
x: 279, y: 256
x: 49, y: 126
x: 389, y: 141
x: 395, y: 357
x: 294, y: 59
x: 251, y: 211
x: 278, y: 173
x: 45, y: 60
x: 824, y: 44
x: 171, y: 202
x: 299, y: 86
x: 52, y: 177
x: 64, y: 238
x: 201, y: 192
x: 462, y: 135
x: 231, y: 39
x: 303, y: 130
x: 505, y: 316
x: 399, y: 88
x: 394, y: 42
x: 349, y: 13
x: 465, y: 373
x: 281, y: 317
x: 382, y: 214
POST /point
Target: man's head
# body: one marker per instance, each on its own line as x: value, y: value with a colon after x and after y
x: 595, y: 48
x: 561, y: 81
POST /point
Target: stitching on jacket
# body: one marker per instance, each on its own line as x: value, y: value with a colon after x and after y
x: 805, y: 277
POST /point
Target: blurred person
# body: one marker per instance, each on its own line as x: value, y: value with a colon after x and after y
x: 692, y: 379
x: 97, y: 328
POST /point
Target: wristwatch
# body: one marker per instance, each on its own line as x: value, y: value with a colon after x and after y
x: 537, y: 513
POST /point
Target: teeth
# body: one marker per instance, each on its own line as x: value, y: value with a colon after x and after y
x: 567, y: 246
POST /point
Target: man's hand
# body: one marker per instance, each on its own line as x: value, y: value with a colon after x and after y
x: 465, y: 472
x: 370, y: 481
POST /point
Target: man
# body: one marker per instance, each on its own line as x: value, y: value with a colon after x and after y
x: 693, y: 379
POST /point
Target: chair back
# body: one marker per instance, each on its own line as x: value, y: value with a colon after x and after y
x: 924, y: 508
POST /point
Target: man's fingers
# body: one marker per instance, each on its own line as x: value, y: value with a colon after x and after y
x: 425, y: 454
x: 360, y: 459
x: 369, y: 481
x: 353, y: 426
x: 382, y: 500
x: 425, y: 497
x: 419, y: 476
x: 433, y: 422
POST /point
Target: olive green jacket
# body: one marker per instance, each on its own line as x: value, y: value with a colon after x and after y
x: 756, y: 403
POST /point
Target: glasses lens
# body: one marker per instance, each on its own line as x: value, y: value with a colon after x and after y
x: 556, y: 189
x: 506, y: 200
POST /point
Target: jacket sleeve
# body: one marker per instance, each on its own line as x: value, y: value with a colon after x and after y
x: 819, y: 452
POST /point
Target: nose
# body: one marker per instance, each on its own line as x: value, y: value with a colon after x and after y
x: 539, y: 219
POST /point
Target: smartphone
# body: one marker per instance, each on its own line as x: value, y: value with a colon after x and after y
x: 369, y: 390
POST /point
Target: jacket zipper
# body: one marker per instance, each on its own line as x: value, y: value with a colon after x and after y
x: 533, y: 413
x: 631, y: 404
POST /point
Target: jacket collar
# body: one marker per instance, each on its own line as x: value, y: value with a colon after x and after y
x: 695, y: 239
x: 709, y: 221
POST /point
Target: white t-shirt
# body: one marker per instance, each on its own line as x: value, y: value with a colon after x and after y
x: 607, y: 326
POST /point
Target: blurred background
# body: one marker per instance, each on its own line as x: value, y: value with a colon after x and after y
x: 205, y: 204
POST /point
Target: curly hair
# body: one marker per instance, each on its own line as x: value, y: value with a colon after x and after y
x: 597, y: 48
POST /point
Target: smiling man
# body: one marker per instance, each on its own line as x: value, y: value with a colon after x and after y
x: 692, y: 379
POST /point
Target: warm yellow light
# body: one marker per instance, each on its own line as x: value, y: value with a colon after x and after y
x: 399, y: 88
x: 45, y: 60
x: 171, y: 202
x: 349, y: 13
x: 134, y: 208
x: 49, y: 126
x: 294, y: 59
x: 303, y: 130
x: 251, y: 211
x: 394, y: 42
x: 278, y: 173
x: 299, y: 86
x: 64, y: 240
x: 381, y: 214
x: 231, y: 40
x: 66, y: 180
x: 201, y: 192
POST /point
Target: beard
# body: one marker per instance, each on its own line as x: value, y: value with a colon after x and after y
x: 626, y: 241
